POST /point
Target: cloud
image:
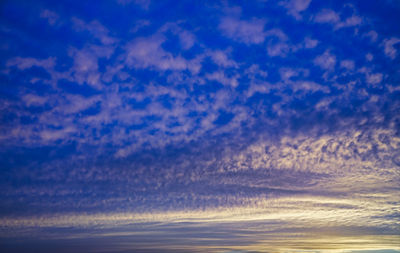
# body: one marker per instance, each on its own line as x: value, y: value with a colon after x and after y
x: 148, y: 53
x: 246, y: 31
x: 328, y: 16
x: 50, y: 16
x: 34, y: 100
x: 372, y: 35
x: 349, y: 22
x: 178, y: 126
x: 287, y: 73
x: 309, y: 86
x: 278, y: 49
x: 139, y: 24
x: 145, y: 4
x: 326, y: 61
x: 389, y: 49
x: 351, y: 152
x: 283, y: 47
x: 310, y: 43
x: 369, y: 57
x: 26, y: 63
x: 85, y: 69
x: 221, y: 77
x: 53, y: 135
x: 95, y: 28
x: 254, y: 72
x: 329, y: 182
x: 221, y: 58
x: 295, y: 7
x: 278, y: 44
x: 347, y: 64
x: 371, y: 78
x: 374, y: 78
x: 277, y: 33
x: 186, y: 38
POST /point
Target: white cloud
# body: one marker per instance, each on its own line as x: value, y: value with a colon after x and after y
x: 148, y: 53
x: 389, y: 49
x: 349, y: 22
x: 53, y: 135
x: 347, y: 64
x: 139, y: 24
x: 186, y: 38
x: 369, y: 57
x: 328, y: 16
x: 371, y: 78
x: 26, y: 63
x: 95, y: 28
x: 85, y: 68
x: 374, y: 78
x: 287, y: 73
x: 260, y: 87
x: 278, y: 45
x: 372, y: 35
x: 31, y: 99
x: 221, y: 59
x: 310, y: 43
x: 326, y: 61
x: 307, y: 86
x: 278, y: 49
x: 295, y: 7
x: 350, y: 150
x: 254, y: 70
x: 278, y: 33
x: 246, y: 31
x: 222, y: 78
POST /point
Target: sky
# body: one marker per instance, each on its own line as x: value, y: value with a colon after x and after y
x: 200, y: 126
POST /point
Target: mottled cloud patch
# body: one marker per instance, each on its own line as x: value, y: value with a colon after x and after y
x: 245, y: 31
x: 325, y: 183
x: 310, y: 43
x: 328, y: 16
x: 296, y: 7
x: 26, y: 63
x: 326, y: 61
x: 347, y: 64
x: 389, y: 47
x: 95, y: 28
x: 148, y: 53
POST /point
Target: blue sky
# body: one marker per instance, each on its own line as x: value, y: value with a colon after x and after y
x: 138, y: 125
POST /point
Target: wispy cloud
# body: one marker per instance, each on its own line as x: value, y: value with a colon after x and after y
x: 326, y: 61
x: 246, y: 31
x: 329, y: 16
x: 50, y: 16
x: 389, y: 49
x: 296, y: 7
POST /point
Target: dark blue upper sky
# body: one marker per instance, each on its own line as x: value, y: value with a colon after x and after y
x: 146, y: 107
